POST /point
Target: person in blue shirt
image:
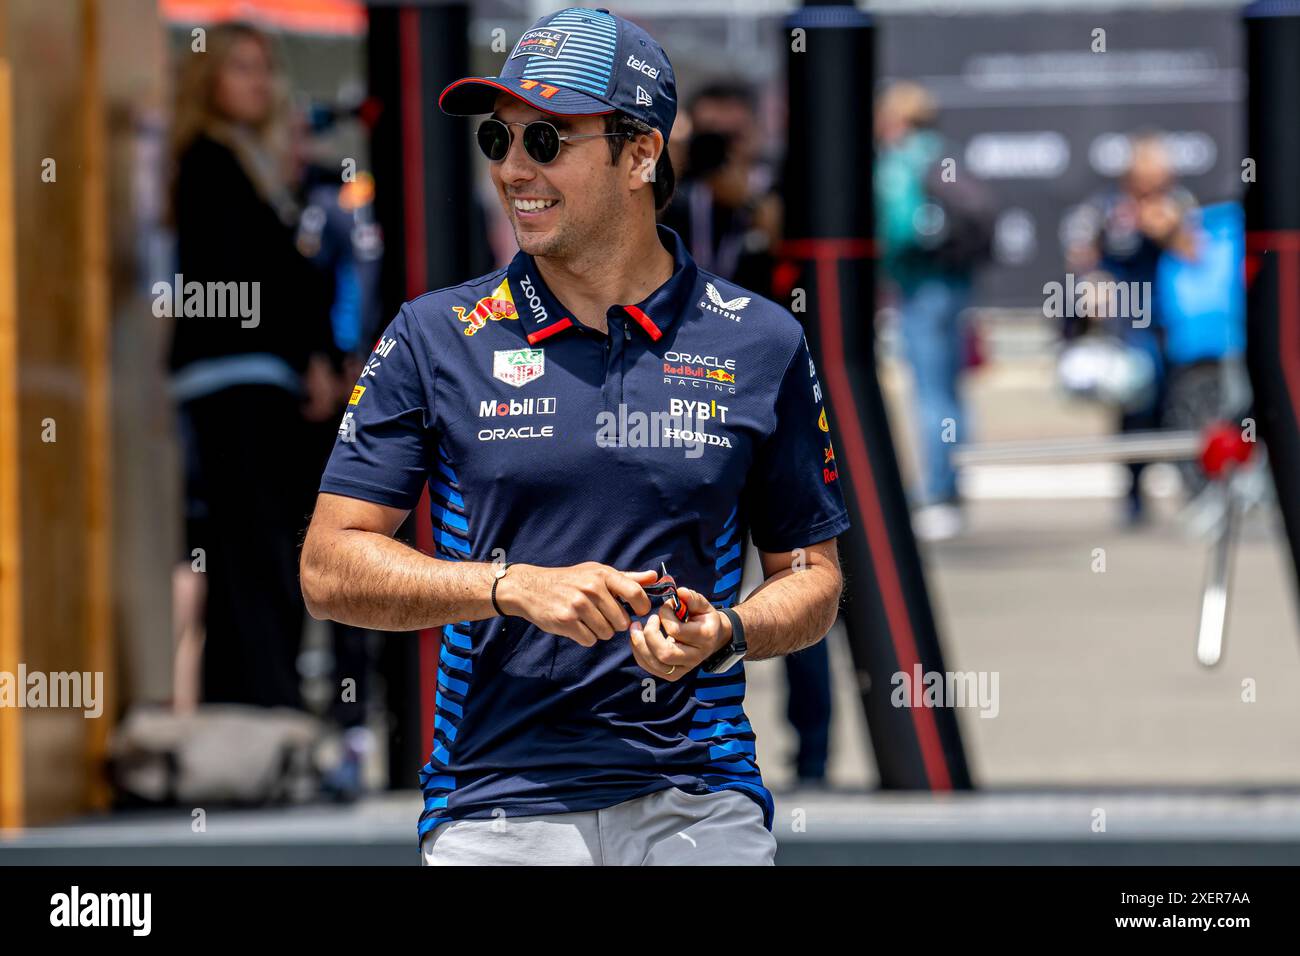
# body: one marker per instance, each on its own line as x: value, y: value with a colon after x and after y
x: 931, y: 294
x: 1121, y: 235
x: 597, y: 413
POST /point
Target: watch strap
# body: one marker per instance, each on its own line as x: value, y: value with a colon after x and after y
x: 735, y: 649
x: 737, y: 628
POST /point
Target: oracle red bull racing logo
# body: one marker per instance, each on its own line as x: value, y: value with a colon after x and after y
x: 495, y: 307
x: 700, y: 371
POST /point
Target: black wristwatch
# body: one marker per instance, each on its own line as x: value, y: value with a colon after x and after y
x: 728, y: 657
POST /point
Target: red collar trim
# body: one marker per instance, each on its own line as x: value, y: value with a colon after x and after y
x: 645, y: 322
x: 546, y: 331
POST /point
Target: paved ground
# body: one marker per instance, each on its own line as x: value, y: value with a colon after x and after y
x: 1097, y: 676
x: 1098, y: 683
x: 1086, y: 826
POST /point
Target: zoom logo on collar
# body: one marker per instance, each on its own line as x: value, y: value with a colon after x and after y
x: 534, y: 300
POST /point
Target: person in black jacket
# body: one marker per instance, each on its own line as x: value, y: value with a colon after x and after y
x: 250, y: 362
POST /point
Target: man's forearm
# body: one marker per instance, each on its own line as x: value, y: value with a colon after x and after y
x: 790, y: 611
x: 370, y: 580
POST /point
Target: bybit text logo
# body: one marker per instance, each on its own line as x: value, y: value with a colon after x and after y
x: 697, y: 411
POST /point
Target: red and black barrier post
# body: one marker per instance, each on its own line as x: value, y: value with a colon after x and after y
x: 829, y: 229
x: 424, y: 204
x: 1273, y: 245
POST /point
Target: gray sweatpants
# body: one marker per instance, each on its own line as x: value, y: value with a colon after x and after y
x: 668, y: 828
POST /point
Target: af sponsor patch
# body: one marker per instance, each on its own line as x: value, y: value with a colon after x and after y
x: 822, y: 423
x: 357, y: 392
x: 518, y: 367
x: 500, y: 304
x: 541, y: 42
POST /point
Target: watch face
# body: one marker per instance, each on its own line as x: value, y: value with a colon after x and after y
x: 727, y: 663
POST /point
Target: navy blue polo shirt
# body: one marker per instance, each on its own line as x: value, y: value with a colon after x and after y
x: 698, y: 417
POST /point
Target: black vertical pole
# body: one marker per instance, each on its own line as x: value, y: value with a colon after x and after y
x: 829, y: 229
x: 434, y: 238
x: 424, y: 196
x: 1273, y: 245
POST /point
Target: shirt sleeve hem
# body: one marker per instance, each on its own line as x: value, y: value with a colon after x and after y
x: 376, y: 494
x: 822, y: 531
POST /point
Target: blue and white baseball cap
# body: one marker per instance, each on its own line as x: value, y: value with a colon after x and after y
x: 578, y: 62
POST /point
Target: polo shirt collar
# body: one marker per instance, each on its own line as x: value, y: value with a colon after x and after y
x: 654, y: 315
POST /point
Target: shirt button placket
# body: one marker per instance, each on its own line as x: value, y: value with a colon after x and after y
x: 605, y: 388
x: 618, y: 368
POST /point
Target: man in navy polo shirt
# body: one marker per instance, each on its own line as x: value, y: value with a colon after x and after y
x: 594, y: 414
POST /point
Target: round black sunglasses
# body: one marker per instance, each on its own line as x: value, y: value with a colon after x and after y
x: 542, y: 141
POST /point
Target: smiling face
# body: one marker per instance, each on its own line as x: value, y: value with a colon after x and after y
x: 568, y: 206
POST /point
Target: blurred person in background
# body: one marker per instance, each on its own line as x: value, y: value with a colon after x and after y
x: 245, y: 387
x: 1120, y: 235
x: 930, y: 249
x: 338, y: 233
x: 729, y: 215
x: 725, y: 208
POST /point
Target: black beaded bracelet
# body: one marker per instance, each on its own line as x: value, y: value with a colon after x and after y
x: 495, y: 580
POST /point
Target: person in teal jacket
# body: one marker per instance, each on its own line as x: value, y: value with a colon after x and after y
x: 931, y: 294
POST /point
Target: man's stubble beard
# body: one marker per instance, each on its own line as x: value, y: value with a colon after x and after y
x: 572, y: 240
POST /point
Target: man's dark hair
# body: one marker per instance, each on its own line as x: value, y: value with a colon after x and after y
x: 728, y: 90
x: 665, y: 180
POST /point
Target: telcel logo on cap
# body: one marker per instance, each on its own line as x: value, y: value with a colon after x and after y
x: 540, y: 42
x: 643, y: 67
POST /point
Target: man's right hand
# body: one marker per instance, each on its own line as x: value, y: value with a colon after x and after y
x: 580, y: 602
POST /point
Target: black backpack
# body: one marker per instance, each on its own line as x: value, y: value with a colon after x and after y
x: 962, y: 233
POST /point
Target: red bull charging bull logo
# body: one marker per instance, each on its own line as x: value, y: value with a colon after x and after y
x: 495, y: 307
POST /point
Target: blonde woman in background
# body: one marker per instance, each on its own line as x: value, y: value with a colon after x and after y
x: 246, y: 373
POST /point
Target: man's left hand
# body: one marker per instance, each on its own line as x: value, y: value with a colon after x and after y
x: 670, y: 649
